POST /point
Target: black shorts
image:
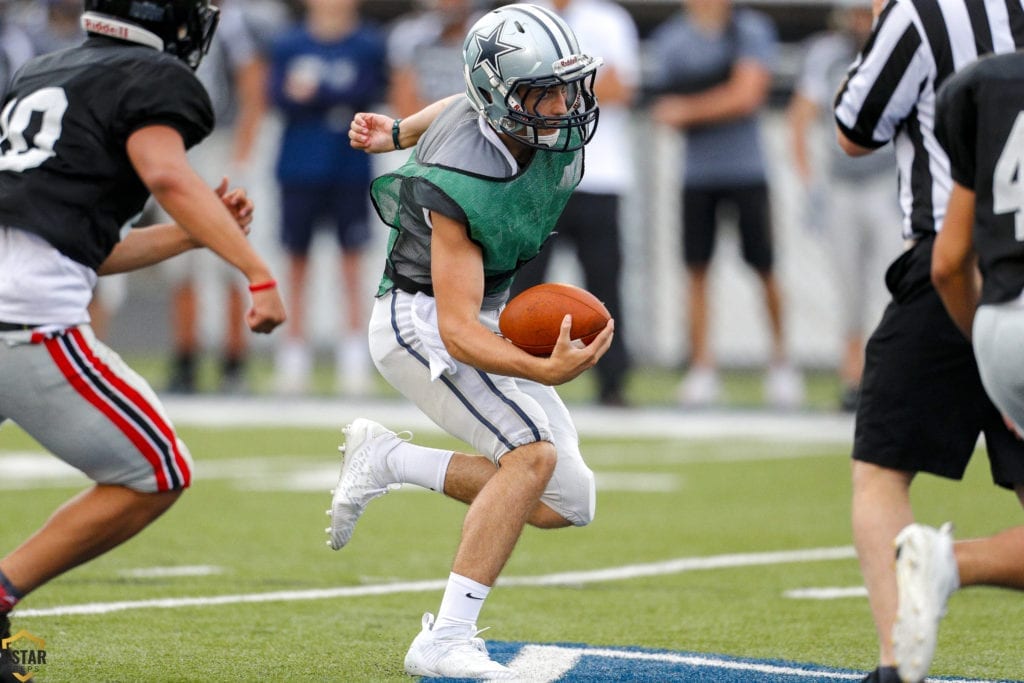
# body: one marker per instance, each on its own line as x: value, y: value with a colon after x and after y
x: 922, y: 404
x: 343, y: 207
x: 700, y: 223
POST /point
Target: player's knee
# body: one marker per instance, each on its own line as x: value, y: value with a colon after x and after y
x: 576, y: 500
x: 538, y: 459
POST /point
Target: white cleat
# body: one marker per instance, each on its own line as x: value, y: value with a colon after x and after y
x: 926, y: 575
x: 364, y: 476
x: 452, y: 652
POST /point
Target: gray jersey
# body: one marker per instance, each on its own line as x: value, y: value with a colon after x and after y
x: 233, y: 46
x: 826, y: 62
x: 461, y: 140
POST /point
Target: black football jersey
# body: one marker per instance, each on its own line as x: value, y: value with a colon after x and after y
x: 64, y: 171
x: 980, y: 123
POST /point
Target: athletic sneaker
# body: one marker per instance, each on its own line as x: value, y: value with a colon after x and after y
x: 364, y: 476
x: 926, y: 575
x: 9, y: 669
x: 293, y: 368
x: 452, y: 652
x: 352, y: 368
x: 784, y: 387
x: 700, y: 388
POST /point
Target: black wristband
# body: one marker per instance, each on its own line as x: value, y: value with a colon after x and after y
x: 394, y: 133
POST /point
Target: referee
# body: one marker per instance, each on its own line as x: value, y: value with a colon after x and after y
x: 922, y: 404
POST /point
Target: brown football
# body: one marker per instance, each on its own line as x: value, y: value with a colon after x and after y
x: 532, y: 319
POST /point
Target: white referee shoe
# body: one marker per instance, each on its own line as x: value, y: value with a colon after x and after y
x: 452, y: 652
x: 926, y: 575
x: 364, y: 476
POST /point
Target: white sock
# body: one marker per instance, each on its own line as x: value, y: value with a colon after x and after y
x: 426, y: 467
x: 457, y: 607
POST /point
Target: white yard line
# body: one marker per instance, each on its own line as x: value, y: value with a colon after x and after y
x: 626, y: 572
x: 171, y: 572
x: 832, y: 593
x: 591, y: 420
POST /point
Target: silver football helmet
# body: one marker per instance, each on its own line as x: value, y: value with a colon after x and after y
x: 514, y: 56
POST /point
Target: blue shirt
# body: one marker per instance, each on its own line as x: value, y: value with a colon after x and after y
x: 348, y: 75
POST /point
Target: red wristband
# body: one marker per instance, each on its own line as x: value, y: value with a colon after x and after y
x: 260, y: 286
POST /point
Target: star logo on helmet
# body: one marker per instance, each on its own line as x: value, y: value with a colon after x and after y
x: 491, y: 48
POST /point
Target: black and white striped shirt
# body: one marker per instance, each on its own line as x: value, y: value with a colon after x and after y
x: 889, y: 92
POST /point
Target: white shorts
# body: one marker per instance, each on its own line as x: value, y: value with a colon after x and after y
x: 998, y: 336
x: 493, y: 413
x: 79, y: 400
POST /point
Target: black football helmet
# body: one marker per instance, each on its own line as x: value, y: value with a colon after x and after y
x: 184, y: 27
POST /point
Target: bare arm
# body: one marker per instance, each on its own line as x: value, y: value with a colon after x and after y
x: 251, y: 79
x: 610, y: 89
x: 372, y: 132
x: 158, y: 155
x: 458, y: 278
x: 144, y: 247
x: 741, y: 95
x: 954, y: 262
x: 801, y: 115
x: 850, y: 147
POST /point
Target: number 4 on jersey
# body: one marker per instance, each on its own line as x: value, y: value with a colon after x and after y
x: 1007, y: 182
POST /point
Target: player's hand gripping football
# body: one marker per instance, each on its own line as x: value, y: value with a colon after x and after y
x: 569, y: 360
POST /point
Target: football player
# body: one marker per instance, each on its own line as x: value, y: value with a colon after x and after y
x: 480, y: 196
x: 980, y: 122
x: 87, y: 135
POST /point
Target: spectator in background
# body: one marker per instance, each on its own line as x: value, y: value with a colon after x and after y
x: 712, y: 72
x: 322, y: 72
x: 425, y: 55
x: 591, y: 218
x: 850, y: 202
x: 234, y: 75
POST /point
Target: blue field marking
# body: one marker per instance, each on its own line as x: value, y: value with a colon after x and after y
x: 576, y: 663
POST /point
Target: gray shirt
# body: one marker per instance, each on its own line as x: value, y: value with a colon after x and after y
x: 686, y: 59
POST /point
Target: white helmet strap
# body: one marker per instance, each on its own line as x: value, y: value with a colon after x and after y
x: 106, y: 25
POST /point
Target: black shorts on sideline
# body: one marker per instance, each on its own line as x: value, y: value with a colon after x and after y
x: 701, y: 212
x: 922, y: 404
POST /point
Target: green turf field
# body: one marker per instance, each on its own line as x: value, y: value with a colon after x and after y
x: 252, y: 526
